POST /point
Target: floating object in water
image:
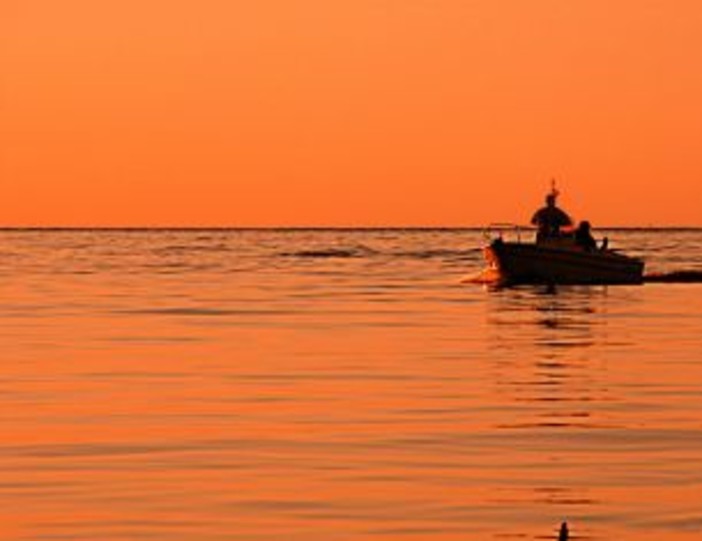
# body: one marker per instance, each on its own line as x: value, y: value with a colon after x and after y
x: 563, y: 534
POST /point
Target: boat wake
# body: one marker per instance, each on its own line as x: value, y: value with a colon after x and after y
x: 492, y: 276
x: 361, y: 251
x: 675, y: 277
x: 486, y: 276
x: 333, y: 252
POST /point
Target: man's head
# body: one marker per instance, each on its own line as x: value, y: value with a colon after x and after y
x: 551, y: 200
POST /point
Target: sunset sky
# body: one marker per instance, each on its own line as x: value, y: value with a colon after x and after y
x: 348, y: 112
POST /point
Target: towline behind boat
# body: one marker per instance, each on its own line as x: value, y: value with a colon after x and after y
x: 558, y: 261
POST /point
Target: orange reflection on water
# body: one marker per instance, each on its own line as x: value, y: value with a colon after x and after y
x: 345, y: 398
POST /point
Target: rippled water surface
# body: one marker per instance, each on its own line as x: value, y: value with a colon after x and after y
x: 334, y: 385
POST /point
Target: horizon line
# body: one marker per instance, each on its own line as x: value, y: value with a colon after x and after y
x: 126, y: 228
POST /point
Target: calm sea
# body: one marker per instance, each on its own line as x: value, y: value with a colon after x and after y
x: 340, y: 385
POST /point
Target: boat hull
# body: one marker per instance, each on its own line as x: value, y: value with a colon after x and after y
x: 525, y: 263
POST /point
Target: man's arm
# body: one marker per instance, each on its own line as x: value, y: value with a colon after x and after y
x: 564, y: 219
x: 536, y: 218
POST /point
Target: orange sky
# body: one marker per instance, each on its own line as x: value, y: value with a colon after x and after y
x: 348, y: 112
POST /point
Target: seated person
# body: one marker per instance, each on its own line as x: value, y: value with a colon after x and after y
x: 550, y: 219
x: 584, y: 238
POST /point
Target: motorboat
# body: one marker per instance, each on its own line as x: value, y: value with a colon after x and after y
x: 559, y: 260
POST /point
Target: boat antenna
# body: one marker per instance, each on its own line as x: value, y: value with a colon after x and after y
x: 554, y: 190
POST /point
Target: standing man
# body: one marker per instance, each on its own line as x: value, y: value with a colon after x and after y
x: 550, y: 219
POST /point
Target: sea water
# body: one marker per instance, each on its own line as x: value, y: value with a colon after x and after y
x: 341, y: 385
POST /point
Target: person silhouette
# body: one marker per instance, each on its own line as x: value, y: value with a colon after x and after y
x: 584, y: 238
x: 550, y: 219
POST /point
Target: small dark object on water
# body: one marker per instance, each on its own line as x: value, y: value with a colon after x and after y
x: 563, y: 535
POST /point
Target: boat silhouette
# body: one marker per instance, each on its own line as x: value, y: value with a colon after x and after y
x: 559, y: 260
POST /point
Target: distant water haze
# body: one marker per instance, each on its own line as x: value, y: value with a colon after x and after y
x: 333, y: 385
